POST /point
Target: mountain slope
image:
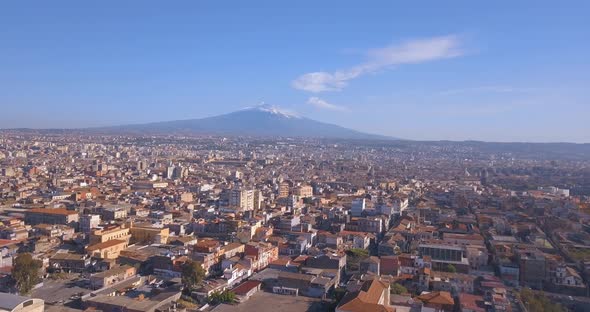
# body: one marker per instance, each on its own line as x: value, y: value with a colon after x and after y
x: 255, y: 121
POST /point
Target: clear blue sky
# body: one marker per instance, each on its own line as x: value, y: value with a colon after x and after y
x: 486, y: 70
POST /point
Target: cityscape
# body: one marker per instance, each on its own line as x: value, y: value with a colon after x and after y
x: 125, y: 188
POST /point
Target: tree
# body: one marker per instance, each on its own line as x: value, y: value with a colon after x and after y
x: 25, y: 272
x: 354, y: 257
x: 397, y: 289
x: 537, y: 301
x: 451, y: 268
x: 225, y: 296
x: 358, y: 253
x: 337, y: 295
x: 192, y: 275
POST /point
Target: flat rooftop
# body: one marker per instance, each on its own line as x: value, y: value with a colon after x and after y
x: 269, y: 302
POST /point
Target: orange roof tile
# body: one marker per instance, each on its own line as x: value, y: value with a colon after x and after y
x: 437, y: 297
x: 57, y: 211
x: 367, y: 298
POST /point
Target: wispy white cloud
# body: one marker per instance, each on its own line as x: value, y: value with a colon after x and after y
x: 409, y: 52
x: 319, y: 103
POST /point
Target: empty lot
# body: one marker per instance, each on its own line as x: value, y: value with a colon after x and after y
x: 263, y: 302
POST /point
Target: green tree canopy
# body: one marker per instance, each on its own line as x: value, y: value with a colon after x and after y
x: 25, y: 272
x: 354, y: 257
x: 537, y: 301
x: 192, y: 275
x: 357, y: 253
x: 225, y: 296
x: 398, y: 289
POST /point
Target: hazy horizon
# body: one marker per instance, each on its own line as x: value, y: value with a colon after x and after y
x: 291, y: 112
x: 496, y: 72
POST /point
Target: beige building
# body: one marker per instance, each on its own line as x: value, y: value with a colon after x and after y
x: 112, y: 276
x: 242, y: 199
x: 109, y: 233
x: 285, y: 189
x: 107, y: 250
x: 147, y: 234
x: 304, y: 191
x: 148, y: 185
x: 258, y: 198
x: 186, y: 197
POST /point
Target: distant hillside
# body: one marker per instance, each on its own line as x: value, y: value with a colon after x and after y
x: 255, y: 121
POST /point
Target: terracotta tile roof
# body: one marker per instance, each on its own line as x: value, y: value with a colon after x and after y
x: 437, y: 297
x: 207, y: 243
x: 57, y: 211
x: 472, y: 302
x: 367, y: 298
x: 281, y: 261
x: 245, y: 287
x: 7, y: 242
x: 301, y: 258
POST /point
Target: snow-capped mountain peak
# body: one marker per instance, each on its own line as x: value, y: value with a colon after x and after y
x: 261, y: 120
x: 272, y: 109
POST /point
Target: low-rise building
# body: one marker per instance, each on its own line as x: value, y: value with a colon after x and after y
x: 52, y: 216
x: 120, y: 232
x: 112, y: 276
x: 107, y: 250
x: 69, y: 262
x: 373, y: 295
x: 14, y: 303
x: 262, y: 253
x: 147, y: 234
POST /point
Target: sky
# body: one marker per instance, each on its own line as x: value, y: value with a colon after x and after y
x: 422, y: 70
